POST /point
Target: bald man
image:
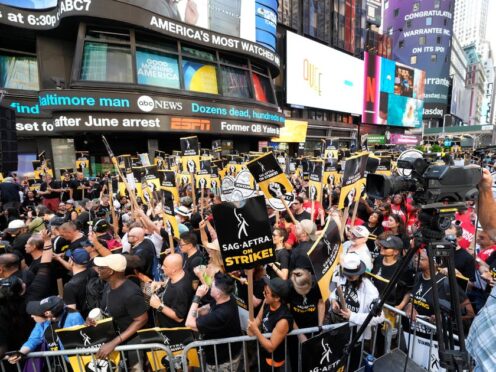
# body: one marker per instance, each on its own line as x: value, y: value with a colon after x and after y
x: 173, y: 299
x: 142, y: 252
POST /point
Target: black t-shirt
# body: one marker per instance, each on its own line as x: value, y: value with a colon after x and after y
x: 77, y: 243
x: 77, y: 190
x: 405, y: 283
x: 66, y: 195
x: 54, y: 185
x: 465, y: 264
x: 299, y: 257
x: 282, y: 262
x: 191, y: 262
x: 178, y: 297
x: 270, y: 319
x: 34, y: 267
x: 374, y: 233
x: 19, y: 244
x: 124, y: 304
x: 304, y: 308
x: 222, y: 321
x: 146, y: 252
x: 9, y: 192
x: 302, y: 216
x: 75, y: 290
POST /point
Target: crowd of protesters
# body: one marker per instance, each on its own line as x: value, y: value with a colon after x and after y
x: 60, y: 242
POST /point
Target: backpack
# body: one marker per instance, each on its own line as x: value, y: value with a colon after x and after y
x: 94, y: 293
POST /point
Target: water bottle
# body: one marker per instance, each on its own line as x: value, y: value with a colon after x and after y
x: 369, y: 363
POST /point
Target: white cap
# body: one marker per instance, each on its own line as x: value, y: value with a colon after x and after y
x: 16, y: 224
x: 360, y: 231
x: 116, y: 262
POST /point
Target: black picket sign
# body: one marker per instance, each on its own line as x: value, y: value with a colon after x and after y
x: 244, y: 233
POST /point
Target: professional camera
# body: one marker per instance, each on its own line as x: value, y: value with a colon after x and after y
x: 430, y: 183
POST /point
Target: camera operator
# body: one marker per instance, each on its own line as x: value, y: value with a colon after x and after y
x: 480, y: 340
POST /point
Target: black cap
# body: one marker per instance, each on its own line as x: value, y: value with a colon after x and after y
x: 278, y: 286
x: 53, y: 303
x: 57, y: 221
x: 100, y: 226
x: 392, y: 242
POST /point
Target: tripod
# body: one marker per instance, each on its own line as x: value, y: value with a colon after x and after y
x: 434, y: 219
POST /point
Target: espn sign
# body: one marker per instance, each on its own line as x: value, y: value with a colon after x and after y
x: 190, y: 124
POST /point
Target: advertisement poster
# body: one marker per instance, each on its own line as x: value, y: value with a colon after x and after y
x: 314, y: 82
x: 244, y: 233
x: 422, y: 33
x: 154, y: 68
x: 394, y: 93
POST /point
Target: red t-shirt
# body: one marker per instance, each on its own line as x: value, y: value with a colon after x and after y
x: 484, y: 255
x: 307, y: 205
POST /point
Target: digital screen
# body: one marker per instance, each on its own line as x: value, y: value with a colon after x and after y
x: 30, y: 4
x: 394, y: 93
x: 322, y: 77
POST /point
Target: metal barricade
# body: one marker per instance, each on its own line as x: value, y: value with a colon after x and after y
x: 250, y: 342
x: 59, y: 360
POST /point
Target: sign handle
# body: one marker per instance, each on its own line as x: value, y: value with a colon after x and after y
x: 251, y: 310
x: 288, y: 210
x: 193, y: 191
x: 201, y: 201
x: 312, y: 210
x: 344, y: 217
x: 355, y: 210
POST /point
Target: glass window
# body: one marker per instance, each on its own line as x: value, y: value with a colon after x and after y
x: 386, y: 4
x: 104, y: 62
x: 158, y: 69
x: 107, y: 35
x: 438, y: 39
x: 401, y: 44
x: 413, y: 60
x: 200, y: 77
x: 437, y: 4
x: 422, y: 40
x: 428, y: 21
x: 263, y: 89
x: 198, y: 53
x: 433, y: 57
x: 390, y: 30
x: 235, y: 82
x: 229, y: 60
x: 19, y: 72
x: 396, y: 12
x: 408, y: 24
x: 152, y: 42
x: 416, y: 6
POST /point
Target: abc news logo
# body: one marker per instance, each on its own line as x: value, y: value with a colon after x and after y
x: 148, y: 104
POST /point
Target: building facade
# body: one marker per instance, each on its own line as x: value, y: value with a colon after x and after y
x: 421, y: 32
x: 146, y: 73
x: 470, y: 22
x: 460, y: 94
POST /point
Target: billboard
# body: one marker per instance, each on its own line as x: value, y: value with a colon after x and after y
x: 322, y: 77
x: 393, y: 93
x: 421, y: 32
x: 241, y: 26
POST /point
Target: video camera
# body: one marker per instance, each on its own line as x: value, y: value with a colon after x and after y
x: 430, y: 183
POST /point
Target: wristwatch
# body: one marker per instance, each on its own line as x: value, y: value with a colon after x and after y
x: 160, y: 308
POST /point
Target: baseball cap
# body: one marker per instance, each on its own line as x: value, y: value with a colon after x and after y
x: 57, y: 221
x: 391, y: 241
x: 53, y: 303
x: 310, y: 228
x: 100, y: 226
x: 16, y: 224
x: 79, y: 256
x: 360, y: 231
x: 278, y: 286
x: 352, y: 265
x: 116, y: 262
